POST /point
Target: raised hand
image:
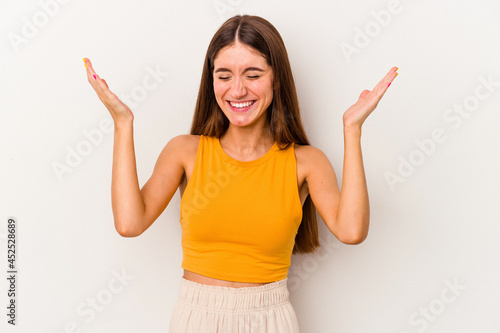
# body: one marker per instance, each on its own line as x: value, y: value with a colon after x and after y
x: 355, y: 116
x: 119, y: 111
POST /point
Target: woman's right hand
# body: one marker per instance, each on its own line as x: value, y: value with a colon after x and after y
x: 119, y: 111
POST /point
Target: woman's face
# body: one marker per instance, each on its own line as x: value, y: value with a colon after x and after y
x: 243, y: 84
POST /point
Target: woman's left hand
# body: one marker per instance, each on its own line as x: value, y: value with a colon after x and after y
x: 367, y: 102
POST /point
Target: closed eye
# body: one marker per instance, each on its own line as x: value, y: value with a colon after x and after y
x: 253, y: 77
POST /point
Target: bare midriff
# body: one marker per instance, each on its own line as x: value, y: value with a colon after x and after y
x: 188, y: 275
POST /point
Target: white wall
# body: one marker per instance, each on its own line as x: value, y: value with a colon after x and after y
x: 430, y: 262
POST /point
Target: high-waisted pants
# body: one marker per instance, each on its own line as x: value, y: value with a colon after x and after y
x: 202, y: 308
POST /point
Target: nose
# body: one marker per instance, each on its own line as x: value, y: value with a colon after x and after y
x: 238, y: 88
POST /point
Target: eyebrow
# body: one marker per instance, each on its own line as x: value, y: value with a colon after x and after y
x: 218, y: 70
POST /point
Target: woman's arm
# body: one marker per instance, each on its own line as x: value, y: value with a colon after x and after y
x: 126, y: 198
x: 346, y: 212
x: 353, y: 215
x: 134, y: 210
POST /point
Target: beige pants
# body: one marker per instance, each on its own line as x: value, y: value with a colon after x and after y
x: 202, y: 308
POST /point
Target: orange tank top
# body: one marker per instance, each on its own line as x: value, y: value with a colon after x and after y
x: 239, y: 219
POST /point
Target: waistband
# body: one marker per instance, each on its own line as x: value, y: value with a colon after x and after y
x: 220, y: 298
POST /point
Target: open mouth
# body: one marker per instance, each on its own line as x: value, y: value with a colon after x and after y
x: 241, y: 106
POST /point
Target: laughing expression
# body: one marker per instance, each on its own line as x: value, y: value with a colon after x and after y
x: 243, y: 84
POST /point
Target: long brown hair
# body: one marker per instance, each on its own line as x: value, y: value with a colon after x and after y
x: 283, y: 113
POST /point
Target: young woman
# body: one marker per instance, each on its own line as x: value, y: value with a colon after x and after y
x: 250, y: 183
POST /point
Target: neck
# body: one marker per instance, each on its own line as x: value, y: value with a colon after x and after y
x: 247, y: 140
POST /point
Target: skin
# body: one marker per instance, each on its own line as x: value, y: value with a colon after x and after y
x: 243, y: 75
x: 346, y: 212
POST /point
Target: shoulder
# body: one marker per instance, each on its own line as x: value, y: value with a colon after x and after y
x: 310, y: 158
x: 181, y: 148
x: 306, y: 153
x: 184, y: 142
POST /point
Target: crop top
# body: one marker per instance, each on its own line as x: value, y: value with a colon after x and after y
x: 239, y: 219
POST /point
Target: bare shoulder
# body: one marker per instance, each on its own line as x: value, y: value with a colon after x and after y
x: 180, y: 149
x: 307, y: 154
x: 185, y: 142
x: 310, y: 158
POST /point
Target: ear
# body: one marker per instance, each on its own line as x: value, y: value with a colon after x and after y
x: 276, y: 85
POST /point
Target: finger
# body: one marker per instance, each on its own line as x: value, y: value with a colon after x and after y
x: 97, y: 83
x: 92, y: 79
x: 91, y: 74
x: 101, y: 84
x: 364, y: 93
x: 382, y: 86
x: 105, y: 83
x: 391, y: 74
x: 390, y: 77
x: 88, y: 64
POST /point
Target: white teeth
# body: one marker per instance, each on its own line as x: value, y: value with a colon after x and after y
x: 241, y: 105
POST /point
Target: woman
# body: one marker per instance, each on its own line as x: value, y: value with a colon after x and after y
x: 249, y: 180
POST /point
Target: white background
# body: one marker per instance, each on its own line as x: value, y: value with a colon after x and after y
x: 436, y: 226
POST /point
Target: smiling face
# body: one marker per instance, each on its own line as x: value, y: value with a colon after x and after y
x: 243, y: 84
